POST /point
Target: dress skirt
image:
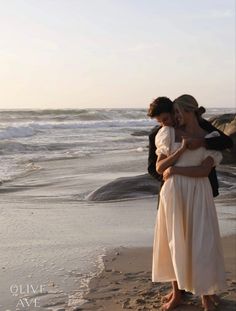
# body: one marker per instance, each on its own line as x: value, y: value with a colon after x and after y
x: 187, y: 243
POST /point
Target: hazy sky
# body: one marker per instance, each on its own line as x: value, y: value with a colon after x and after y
x: 115, y: 53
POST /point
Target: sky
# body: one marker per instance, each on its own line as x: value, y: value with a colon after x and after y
x: 60, y: 54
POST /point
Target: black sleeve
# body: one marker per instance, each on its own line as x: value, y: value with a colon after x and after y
x: 152, y: 158
x: 215, y: 143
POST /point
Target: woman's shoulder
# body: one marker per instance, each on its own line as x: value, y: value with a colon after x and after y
x: 163, y: 140
x: 165, y: 130
x: 165, y: 135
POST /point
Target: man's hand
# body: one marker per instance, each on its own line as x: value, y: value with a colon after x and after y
x: 195, y: 143
x: 184, y: 144
x: 168, y: 172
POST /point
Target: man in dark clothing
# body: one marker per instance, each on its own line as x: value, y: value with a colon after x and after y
x: 162, y: 110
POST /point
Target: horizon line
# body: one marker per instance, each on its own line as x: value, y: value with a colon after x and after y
x: 90, y: 108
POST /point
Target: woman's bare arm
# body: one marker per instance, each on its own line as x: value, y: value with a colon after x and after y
x: 202, y: 170
x: 163, y: 162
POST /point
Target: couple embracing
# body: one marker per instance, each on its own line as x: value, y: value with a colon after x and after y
x: 187, y: 245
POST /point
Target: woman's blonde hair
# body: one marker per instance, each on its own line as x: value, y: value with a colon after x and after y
x: 190, y: 104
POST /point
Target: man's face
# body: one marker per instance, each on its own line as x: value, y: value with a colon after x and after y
x: 165, y: 119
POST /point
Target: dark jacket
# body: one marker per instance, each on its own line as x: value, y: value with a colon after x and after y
x: 215, y: 143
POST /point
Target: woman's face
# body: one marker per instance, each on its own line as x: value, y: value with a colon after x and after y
x: 179, y: 115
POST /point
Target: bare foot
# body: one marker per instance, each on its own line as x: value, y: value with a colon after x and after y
x: 167, y: 297
x: 215, y: 299
x: 174, y: 302
x: 207, y: 303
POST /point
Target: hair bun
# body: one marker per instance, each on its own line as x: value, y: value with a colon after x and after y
x: 201, y: 110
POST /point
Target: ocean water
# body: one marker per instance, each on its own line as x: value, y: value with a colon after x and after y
x: 27, y: 137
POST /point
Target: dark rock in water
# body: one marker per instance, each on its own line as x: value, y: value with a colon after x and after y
x: 140, y: 133
x: 126, y: 188
x: 227, y: 124
x: 229, y: 156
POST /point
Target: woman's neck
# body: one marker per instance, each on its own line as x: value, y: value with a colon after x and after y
x: 192, y: 126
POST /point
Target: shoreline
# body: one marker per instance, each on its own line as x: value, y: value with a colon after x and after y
x: 125, y: 282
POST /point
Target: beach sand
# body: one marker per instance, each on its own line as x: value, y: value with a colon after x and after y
x: 125, y: 282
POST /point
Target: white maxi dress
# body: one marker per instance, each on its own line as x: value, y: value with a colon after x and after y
x: 187, y: 244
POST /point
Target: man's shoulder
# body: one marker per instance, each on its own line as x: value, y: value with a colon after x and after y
x: 154, y: 131
x: 206, y: 125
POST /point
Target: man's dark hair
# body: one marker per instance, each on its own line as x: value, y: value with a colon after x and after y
x: 159, y: 105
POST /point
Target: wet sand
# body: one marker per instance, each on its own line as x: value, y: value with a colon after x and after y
x: 125, y: 283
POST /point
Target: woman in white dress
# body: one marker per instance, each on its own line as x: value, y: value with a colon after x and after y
x: 187, y: 246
